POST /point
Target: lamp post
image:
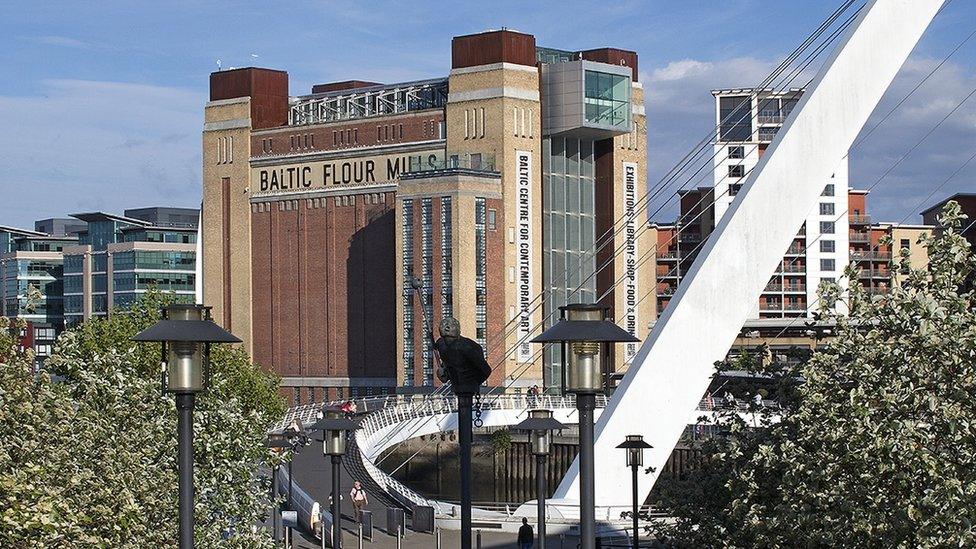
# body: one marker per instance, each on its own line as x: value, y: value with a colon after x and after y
x: 584, y: 331
x: 635, y: 446
x: 277, y: 443
x: 186, y: 332
x: 297, y: 439
x: 540, y: 424
x: 335, y: 427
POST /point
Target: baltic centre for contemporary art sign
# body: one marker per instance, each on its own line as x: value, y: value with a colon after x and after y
x: 524, y: 252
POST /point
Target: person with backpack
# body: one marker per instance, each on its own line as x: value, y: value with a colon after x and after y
x: 359, y: 499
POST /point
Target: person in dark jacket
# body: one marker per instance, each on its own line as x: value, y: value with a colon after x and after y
x: 526, y: 535
x: 462, y: 360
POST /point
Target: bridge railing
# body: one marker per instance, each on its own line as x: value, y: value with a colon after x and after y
x: 379, y: 413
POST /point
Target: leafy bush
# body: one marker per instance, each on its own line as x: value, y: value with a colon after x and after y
x: 89, y: 444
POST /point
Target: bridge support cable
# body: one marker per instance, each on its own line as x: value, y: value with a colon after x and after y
x: 644, y: 202
x: 727, y: 277
x: 688, y: 160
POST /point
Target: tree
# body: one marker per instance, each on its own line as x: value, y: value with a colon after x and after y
x: 875, y: 443
x: 89, y: 444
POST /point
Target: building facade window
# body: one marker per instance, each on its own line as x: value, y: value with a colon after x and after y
x: 427, y: 260
x: 735, y: 118
x: 826, y: 227
x: 826, y: 208
x: 827, y: 265
x: 447, y: 267
x: 828, y: 190
x: 406, y: 253
x: 737, y: 170
x: 906, y: 244
x: 737, y: 152
x: 480, y: 271
x: 568, y: 230
x: 827, y: 246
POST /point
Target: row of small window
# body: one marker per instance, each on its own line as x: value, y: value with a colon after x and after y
x: 185, y: 261
x: 225, y: 150
x: 387, y: 132
x: 301, y: 142
x: 145, y: 281
x: 474, y: 123
x: 522, y: 122
x: 433, y: 128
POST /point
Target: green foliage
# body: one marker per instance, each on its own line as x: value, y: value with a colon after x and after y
x: 501, y: 440
x: 876, y: 447
x: 89, y: 445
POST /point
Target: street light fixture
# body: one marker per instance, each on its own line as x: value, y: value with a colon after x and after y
x: 584, y: 331
x: 277, y: 443
x: 540, y: 424
x: 335, y: 427
x: 186, y: 332
x: 635, y: 446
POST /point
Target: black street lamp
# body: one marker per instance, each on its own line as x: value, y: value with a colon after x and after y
x: 541, y: 424
x: 635, y: 447
x: 277, y: 443
x: 186, y: 332
x: 584, y: 331
x: 335, y: 427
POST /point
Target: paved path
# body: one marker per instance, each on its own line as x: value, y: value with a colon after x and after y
x: 313, y: 472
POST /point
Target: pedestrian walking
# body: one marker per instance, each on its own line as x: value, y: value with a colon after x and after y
x: 359, y: 500
x: 525, y: 536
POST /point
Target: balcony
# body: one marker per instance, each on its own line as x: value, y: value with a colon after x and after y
x: 859, y: 220
x: 876, y: 291
x: 799, y: 269
x: 874, y: 273
x: 859, y: 237
x: 795, y: 288
x: 796, y: 250
x: 668, y: 256
x: 689, y: 237
x: 767, y: 134
x: 795, y: 307
x: 771, y: 117
x: 666, y: 291
x: 870, y: 256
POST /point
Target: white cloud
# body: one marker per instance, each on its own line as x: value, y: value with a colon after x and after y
x: 63, y: 41
x: 681, y: 112
x: 82, y: 145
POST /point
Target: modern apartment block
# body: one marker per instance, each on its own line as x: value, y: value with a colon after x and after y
x: 487, y: 184
x: 31, y: 267
x: 837, y: 232
x: 119, y: 257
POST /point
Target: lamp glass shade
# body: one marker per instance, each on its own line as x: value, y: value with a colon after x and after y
x: 585, y: 357
x: 334, y: 440
x: 184, y: 366
x: 635, y: 457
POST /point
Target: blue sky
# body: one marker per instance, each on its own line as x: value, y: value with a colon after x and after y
x: 101, y: 103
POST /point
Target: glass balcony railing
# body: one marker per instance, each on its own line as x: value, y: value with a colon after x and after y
x: 858, y: 219
x: 859, y: 237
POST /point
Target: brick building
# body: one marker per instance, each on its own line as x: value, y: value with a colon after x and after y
x: 488, y: 185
